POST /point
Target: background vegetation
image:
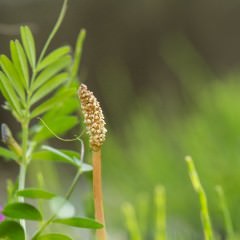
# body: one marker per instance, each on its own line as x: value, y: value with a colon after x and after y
x: 167, y: 74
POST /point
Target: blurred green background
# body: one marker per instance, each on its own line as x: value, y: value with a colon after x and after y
x: 167, y: 75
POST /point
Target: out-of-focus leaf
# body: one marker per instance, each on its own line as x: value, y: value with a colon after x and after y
x: 11, y: 230
x: 48, y: 87
x: 69, y: 106
x: 50, y: 71
x: 79, y: 222
x: 78, y: 52
x: 53, y: 57
x: 22, y: 211
x: 13, y: 76
x: 53, y: 156
x: 53, y: 236
x: 28, y: 44
x: 57, y: 99
x: 58, y: 125
x: 8, y: 154
x: 35, y: 193
x: 57, y: 152
x: 11, y: 190
x: 9, y: 93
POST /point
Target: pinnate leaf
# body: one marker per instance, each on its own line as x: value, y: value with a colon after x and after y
x: 50, y: 71
x: 55, y: 101
x: 50, y: 86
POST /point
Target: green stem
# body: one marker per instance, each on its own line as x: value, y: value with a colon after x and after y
x: 67, y: 196
x: 206, y: 221
x: 55, y: 29
x: 23, y: 166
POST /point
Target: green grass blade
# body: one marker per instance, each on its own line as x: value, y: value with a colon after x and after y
x: 50, y: 86
x: 9, y: 93
x: 28, y: 44
x: 12, y: 74
x: 78, y: 53
x: 160, y: 203
x: 131, y: 222
x: 226, y: 213
x: 53, y: 57
x: 50, y: 71
x: 53, y: 102
x: 206, y: 221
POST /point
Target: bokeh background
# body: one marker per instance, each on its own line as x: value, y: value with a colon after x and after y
x: 167, y: 75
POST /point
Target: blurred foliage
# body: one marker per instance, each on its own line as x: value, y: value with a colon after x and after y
x: 151, y: 148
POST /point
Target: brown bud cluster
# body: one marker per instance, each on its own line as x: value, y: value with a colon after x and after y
x: 93, y: 117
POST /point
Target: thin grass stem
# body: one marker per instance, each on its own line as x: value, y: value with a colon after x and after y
x: 206, y: 221
x: 160, y: 220
x: 131, y: 222
x: 225, y: 212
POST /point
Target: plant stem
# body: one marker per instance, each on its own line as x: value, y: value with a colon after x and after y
x: 160, y: 203
x: 206, y: 221
x: 225, y: 212
x: 55, y: 29
x: 67, y: 196
x: 98, y: 196
x: 23, y: 166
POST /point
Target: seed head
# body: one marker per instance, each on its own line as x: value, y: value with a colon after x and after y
x: 93, y: 117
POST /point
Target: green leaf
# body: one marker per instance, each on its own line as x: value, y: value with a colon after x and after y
x: 55, y: 101
x: 58, y: 153
x: 9, y: 93
x: 22, y: 211
x: 28, y: 44
x: 78, y: 52
x: 23, y: 62
x: 53, y: 236
x: 50, y: 71
x: 51, y: 156
x: 57, y: 125
x: 53, y: 57
x: 79, y: 222
x: 35, y: 193
x: 13, y: 76
x: 10, y: 230
x: 8, y: 154
x: 16, y: 62
x: 48, y: 87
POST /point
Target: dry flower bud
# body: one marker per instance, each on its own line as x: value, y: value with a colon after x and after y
x: 93, y: 117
